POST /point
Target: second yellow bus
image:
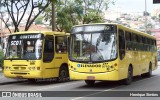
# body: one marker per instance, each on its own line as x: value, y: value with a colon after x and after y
x: 110, y: 52
x: 37, y: 55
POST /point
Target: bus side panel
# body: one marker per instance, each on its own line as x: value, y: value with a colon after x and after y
x: 123, y: 67
x: 51, y: 69
x: 155, y: 61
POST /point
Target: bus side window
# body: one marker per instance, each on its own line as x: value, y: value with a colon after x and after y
x: 128, y: 40
x: 121, y: 44
x: 61, y: 44
x: 48, y: 49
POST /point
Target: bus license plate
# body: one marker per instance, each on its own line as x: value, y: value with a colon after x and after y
x: 90, y: 78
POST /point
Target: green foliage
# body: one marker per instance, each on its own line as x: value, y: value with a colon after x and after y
x: 72, y: 12
x: 39, y: 20
x: 1, y: 58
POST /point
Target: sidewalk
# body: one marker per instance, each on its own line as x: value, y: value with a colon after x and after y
x: 0, y: 69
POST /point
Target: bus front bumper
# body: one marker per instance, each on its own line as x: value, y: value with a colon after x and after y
x: 110, y: 76
x: 23, y: 75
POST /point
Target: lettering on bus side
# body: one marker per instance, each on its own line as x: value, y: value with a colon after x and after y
x: 89, y: 65
x: 104, y: 65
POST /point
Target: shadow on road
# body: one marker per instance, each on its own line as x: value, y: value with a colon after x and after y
x: 110, y: 84
x: 12, y: 82
x: 43, y: 82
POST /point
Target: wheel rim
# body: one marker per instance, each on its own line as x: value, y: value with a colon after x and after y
x: 150, y: 70
x: 62, y: 76
x: 130, y: 75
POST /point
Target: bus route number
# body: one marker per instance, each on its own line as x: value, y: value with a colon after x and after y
x: 16, y: 43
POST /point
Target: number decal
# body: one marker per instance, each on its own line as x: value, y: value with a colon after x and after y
x: 16, y: 42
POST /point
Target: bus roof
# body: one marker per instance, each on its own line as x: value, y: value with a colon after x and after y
x: 43, y: 32
x: 120, y: 26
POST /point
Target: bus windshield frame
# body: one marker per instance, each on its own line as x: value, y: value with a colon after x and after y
x: 24, y: 46
x: 93, y: 43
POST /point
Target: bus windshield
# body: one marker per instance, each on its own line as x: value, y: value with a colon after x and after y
x: 93, y: 44
x: 22, y: 46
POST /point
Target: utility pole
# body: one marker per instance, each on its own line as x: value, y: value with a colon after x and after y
x: 53, y: 17
x: 1, y: 40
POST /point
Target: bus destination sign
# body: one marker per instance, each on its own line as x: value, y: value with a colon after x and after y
x: 26, y: 36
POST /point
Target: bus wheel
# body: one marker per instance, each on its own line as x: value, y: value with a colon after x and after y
x: 129, y: 78
x: 90, y: 82
x: 63, y: 75
x: 149, y: 73
x: 32, y: 80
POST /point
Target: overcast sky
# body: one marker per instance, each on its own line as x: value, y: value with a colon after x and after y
x: 134, y: 5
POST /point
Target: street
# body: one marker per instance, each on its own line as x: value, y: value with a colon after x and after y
x: 139, y: 84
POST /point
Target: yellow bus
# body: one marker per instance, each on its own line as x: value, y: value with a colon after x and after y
x: 36, y: 55
x: 110, y: 52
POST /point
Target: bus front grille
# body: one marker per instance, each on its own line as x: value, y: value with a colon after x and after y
x: 19, y: 68
x: 19, y: 73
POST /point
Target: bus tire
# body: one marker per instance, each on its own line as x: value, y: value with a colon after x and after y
x: 90, y: 82
x: 129, y: 78
x: 63, y: 74
x: 149, y: 73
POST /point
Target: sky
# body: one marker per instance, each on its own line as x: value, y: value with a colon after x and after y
x: 134, y: 5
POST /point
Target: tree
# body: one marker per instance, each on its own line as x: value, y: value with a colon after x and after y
x: 16, y: 10
x: 38, y: 20
x: 72, y: 12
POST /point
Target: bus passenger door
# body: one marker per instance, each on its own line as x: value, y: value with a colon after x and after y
x: 122, y: 64
x: 48, y: 55
x: 61, y: 54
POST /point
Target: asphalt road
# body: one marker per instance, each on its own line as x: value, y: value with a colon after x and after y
x: 80, y: 91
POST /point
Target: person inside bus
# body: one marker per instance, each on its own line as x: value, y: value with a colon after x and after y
x: 13, y: 54
x: 96, y: 54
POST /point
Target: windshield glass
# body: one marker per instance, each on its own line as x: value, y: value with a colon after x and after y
x: 27, y: 47
x: 93, y: 46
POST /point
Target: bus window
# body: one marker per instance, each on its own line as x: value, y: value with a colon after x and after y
x: 128, y: 36
x: 121, y: 44
x: 48, y: 49
x: 61, y: 44
x: 128, y: 40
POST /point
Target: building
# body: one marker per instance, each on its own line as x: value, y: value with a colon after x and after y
x: 156, y: 32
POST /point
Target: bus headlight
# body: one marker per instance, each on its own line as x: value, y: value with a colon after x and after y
x: 7, y: 68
